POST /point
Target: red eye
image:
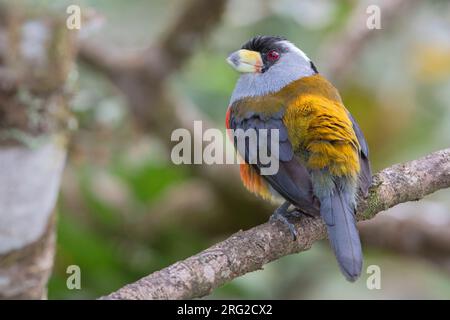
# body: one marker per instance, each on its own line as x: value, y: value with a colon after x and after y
x: 273, y: 55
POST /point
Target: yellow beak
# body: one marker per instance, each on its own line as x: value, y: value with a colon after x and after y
x: 246, y: 61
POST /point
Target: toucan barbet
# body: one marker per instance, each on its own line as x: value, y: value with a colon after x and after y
x: 323, y: 155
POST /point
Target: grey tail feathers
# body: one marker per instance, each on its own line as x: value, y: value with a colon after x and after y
x: 337, y: 208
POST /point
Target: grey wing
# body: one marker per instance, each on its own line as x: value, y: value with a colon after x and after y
x: 292, y: 180
x: 365, y: 175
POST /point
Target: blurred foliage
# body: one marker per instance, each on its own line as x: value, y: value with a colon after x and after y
x: 398, y: 89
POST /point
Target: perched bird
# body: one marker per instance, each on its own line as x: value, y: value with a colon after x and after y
x: 323, y: 155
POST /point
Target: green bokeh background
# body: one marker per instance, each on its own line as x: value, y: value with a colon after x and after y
x: 398, y: 88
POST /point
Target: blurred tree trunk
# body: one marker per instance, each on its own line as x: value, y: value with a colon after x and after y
x: 36, y: 61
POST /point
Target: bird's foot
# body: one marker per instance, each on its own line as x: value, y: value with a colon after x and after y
x: 295, y: 213
x: 282, y: 213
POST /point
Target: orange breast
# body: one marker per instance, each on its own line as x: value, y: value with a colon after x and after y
x: 254, y: 182
x: 227, y: 119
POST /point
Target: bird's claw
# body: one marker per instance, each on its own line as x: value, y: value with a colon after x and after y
x: 281, y: 216
x: 296, y: 213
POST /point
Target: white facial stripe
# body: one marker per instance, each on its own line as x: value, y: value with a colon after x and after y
x: 293, y: 48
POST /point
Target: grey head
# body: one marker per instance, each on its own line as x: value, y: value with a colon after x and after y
x: 267, y: 64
